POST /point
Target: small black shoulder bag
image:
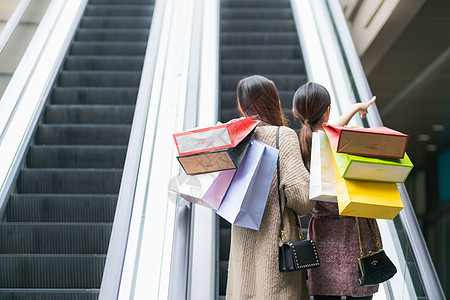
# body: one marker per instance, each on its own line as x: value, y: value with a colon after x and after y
x: 297, y: 255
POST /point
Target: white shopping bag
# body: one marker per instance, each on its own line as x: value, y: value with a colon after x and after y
x: 205, y: 189
x: 321, y: 185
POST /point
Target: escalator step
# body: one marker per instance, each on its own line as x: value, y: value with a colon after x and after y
x: 262, y: 66
x: 260, y: 52
x: 257, y: 26
x: 54, y: 238
x: 223, y: 273
x: 255, y: 3
x: 60, y: 208
x: 128, y: 2
x: 69, y: 181
x: 99, y: 78
x: 283, y: 82
x: 108, y: 48
x: 116, y: 22
x: 119, y: 10
x: 94, y: 95
x: 113, y: 35
x: 104, y: 63
x: 258, y: 38
x: 56, y: 156
x: 48, y: 271
x: 225, y: 240
x: 82, y: 134
x: 274, y: 13
x: 89, y: 114
x: 229, y: 99
x: 49, y: 294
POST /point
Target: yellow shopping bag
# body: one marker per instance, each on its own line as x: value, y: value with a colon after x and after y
x: 367, y: 199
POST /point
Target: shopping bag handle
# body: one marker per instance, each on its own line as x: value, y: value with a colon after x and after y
x: 283, y: 237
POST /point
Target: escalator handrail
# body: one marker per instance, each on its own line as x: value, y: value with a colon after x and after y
x: 26, y: 101
x: 12, y: 23
x: 427, y: 272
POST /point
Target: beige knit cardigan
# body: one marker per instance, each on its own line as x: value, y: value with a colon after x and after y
x: 253, y: 265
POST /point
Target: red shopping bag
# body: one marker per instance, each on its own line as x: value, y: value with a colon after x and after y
x: 214, y: 138
x: 376, y: 141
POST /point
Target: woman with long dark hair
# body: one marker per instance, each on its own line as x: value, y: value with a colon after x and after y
x: 336, y: 236
x: 253, y: 267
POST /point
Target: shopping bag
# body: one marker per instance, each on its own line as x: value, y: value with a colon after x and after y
x: 214, y: 161
x: 246, y: 197
x: 205, y: 189
x: 376, y: 141
x: 321, y: 179
x: 373, y: 168
x: 214, y: 138
x: 367, y: 199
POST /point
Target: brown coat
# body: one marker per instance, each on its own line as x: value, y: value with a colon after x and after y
x: 253, y: 266
x: 337, y: 242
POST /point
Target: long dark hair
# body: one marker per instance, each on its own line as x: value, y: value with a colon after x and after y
x: 310, y: 102
x: 258, y: 95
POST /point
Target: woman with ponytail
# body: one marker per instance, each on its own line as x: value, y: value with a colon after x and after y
x: 336, y: 236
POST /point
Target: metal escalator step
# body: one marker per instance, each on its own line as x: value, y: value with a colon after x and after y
x: 74, y: 134
x: 49, y: 294
x: 260, y: 52
x: 89, y: 114
x: 255, y: 3
x: 108, y: 48
x: 63, y: 271
x: 283, y: 82
x: 115, y: 22
x: 69, y: 181
x: 119, y: 10
x: 94, y: 95
x: 61, y: 208
x: 54, y: 238
x: 262, y: 66
x: 253, y: 13
x: 257, y: 26
x: 228, y: 99
x: 223, y: 273
x: 73, y: 156
x: 113, y: 35
x: 128, y: 2
x: 104, y: 63
x: 99, y: 78
x: 259, y: 38
x: 225, y: 241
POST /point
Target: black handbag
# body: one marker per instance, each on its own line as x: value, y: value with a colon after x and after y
x: 375, y: 267
x: 296, y: 255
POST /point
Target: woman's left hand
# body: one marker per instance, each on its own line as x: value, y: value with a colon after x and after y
x: 362, y: 107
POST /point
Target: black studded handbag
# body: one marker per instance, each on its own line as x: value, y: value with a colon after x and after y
x: 298, y: 255
x: 375, y: 267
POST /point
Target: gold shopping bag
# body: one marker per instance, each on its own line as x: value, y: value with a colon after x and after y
x: 367, y: 199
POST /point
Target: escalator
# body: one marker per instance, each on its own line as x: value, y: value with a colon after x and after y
x: 256, y: 37
x: 57, y: 223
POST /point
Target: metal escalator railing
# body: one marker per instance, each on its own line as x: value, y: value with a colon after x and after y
x: 333, y: 61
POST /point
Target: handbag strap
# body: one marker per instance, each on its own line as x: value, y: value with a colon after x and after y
x: 359, y: 236
x: 283, y: 237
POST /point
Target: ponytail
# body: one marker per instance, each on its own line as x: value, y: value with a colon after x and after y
x: 310, y: 102
x: 305, y: 139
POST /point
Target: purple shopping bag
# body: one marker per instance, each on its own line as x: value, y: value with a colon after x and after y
x: 245, y: 201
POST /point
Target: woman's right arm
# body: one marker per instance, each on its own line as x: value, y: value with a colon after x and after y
x: 360, y: 108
